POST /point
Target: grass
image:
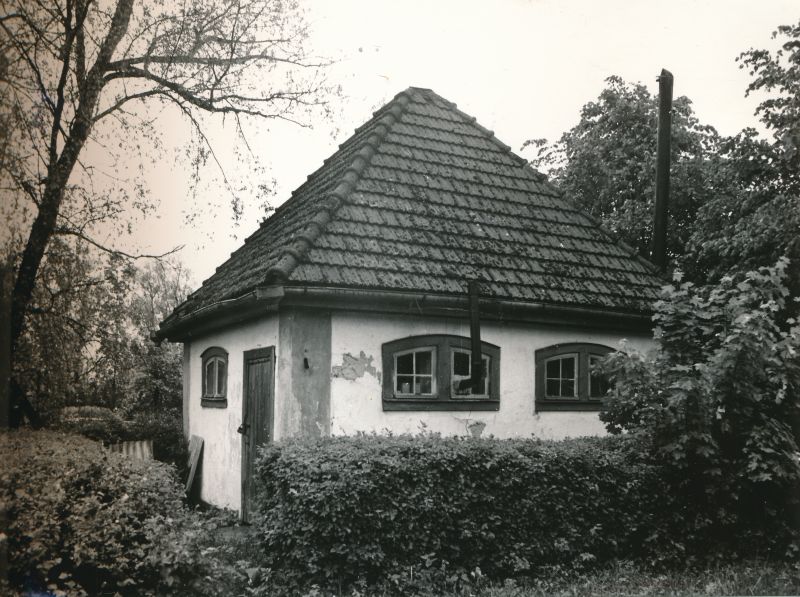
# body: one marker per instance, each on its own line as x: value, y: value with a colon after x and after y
x: 239, y: 546
x: 626, y: 578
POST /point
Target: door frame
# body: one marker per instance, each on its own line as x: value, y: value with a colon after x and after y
x: 247, y: 357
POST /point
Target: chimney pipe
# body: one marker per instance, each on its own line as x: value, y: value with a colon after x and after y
x: 659, y: 250
x: 476, y: 380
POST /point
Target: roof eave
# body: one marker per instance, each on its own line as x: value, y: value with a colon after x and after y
x: 264, y: 300
x: 406, y: 302
x: 252, y: 304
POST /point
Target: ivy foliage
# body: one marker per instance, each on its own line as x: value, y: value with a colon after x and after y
x: 349, y: 511
x: 718, y: 404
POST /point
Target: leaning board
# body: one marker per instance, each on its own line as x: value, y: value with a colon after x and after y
x: 195, y: 449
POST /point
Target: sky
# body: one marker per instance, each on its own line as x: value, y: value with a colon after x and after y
x: 523, y: 68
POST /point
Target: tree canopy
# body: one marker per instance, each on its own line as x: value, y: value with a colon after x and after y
x: 734, y: 201
x: 77, y: 74
x: 756, y: 217
x: 606, y: 163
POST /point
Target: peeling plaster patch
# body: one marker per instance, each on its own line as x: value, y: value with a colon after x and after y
x: 354, y: 367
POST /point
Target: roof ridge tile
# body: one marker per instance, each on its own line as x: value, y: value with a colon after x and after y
x: 294, y: 251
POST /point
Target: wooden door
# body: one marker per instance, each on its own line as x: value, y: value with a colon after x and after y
x: 257, y: 415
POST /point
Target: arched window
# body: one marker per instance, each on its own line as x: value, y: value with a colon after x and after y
x: 567, y: 379
x: 215, y: 377
x: 434, y: 372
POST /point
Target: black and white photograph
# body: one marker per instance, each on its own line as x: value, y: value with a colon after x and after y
x: 445, y: 298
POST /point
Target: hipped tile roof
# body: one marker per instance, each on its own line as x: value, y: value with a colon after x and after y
x: 422, y: 198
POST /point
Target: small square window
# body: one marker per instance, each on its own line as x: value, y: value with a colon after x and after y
x: 560, y: 379
x: 414, y: 372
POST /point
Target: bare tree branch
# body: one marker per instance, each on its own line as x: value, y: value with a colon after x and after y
x: 116, y: 252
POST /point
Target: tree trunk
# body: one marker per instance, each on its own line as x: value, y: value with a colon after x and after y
x: 58, y: 174
x: 6, y: 277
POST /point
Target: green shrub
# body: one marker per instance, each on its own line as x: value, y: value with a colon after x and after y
x: 84, y: 520
x: 340, y: 511
x: 718, y: 402
x: 95, y: 422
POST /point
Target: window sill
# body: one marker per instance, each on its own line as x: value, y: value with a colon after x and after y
x: 569, y: 405
x: 440, y: 405
x: 214, y: 402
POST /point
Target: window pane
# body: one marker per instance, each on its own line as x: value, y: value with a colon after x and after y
x: 553, y: 369
x: 568, y: 368
x: 423, y: 385
x: 567, y: 388
x: 221, y: 377
x: 553, y: 387
x: 598, y: 383
x: 405, y: 363
x: 210, y: 378
x: 423, y: 362
x: 595, y: 389
x: 461, y: 363
x: 405, y: 384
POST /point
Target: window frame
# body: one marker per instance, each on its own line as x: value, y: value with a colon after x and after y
x: 582, y: 401
x: 433, y: 374
x: 217, y: 399
x: 443, y: 398
x: 484, y: 356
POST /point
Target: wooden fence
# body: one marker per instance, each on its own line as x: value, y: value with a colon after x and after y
x: 141, y: 449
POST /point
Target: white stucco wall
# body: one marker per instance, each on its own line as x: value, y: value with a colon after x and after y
x: 356, y: 405
x: 222, y: 448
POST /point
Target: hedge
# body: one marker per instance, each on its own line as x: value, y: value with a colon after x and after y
x: 339, y: 512
x: 82, y: 519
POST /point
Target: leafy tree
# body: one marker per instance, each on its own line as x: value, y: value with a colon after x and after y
x: 779, y: 72
x: 719, y: 403
x: 75, y: 340
x: 156, y: 383
x: 606, y: 164
x: 758, y: 219
x: 80, y: 73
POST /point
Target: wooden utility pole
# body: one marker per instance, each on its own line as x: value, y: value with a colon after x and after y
x: 661, y: 212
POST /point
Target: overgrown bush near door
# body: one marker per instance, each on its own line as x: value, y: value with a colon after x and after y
x: 718, y: 403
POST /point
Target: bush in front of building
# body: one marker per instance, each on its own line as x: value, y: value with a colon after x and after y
x: 718, y: 403
x: 339, y: 512
x: 83, y: 520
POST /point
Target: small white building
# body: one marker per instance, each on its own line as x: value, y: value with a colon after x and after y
x: 349, y: 309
